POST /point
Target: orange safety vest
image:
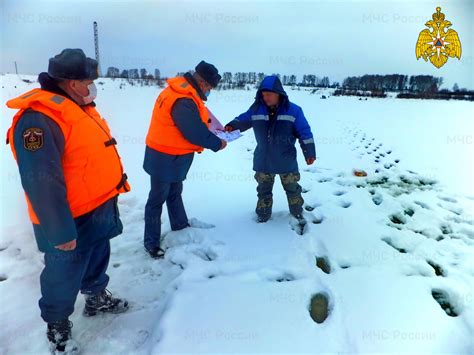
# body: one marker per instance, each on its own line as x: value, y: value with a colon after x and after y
x: 92, y: 169
x: 163, y: 134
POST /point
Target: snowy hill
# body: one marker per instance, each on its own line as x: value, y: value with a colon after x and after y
x: 397, y: 246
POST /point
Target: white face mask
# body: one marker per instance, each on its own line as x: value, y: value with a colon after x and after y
x: 92, y: 94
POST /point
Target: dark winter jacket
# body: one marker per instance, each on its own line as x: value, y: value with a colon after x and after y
x: 276, y: 132
x: 43, y: 180
x: 174, y: 168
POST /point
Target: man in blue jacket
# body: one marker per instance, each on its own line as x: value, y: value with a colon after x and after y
x: 277, y: 123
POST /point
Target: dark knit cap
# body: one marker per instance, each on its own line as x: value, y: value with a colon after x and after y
x: 209, y: 73
x: 72, y: 64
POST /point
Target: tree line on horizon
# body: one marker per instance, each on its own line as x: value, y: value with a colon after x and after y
x: 373, y: 83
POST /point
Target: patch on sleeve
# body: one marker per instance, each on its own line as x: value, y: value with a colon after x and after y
x: 33, y: 139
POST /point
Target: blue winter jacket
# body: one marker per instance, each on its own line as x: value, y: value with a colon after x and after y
x: 276, y: 134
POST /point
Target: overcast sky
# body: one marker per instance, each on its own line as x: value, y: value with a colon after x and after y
x: 326, y: 38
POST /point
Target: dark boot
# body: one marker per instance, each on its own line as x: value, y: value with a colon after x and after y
x: 262, y: 219
x: 156, y: 253
x: 60, y: 339
x: 103, y: 302
x: 264, y: 210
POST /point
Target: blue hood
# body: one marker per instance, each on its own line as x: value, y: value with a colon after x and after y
x: 272, y: 83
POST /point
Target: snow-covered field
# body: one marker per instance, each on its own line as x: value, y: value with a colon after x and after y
x: 394, y: 241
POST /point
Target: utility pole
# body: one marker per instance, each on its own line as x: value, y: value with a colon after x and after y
x: 96, y: 45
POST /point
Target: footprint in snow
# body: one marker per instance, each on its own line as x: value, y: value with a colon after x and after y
x: 195, y: 223
x: 377, y: 199
x: 409, y: 211
x: 317, y: 218
x: 325, y: 179
x: 300, y: 226
x: 345, y: 204
x: 438, y: 269
x: 444, y: 300
x: 422, y: 204
x: 398, y: 219
x: 446, y: 228
x: 311, y: 207
x: 391, y: 243
x: 206, y: 255
x: 322, y: 263
x: 453, y: 209
x: 278, y: 276
x: 447, y: 199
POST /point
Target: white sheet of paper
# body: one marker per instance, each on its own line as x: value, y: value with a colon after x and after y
x: 218, y: 129
x: 229, y: 136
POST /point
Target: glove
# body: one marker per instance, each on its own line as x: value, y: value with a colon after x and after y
x: 311, y: 160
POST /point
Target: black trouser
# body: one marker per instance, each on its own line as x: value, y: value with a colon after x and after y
x: 66, y: 273
x: 293, y: 190
x: 160, y: 193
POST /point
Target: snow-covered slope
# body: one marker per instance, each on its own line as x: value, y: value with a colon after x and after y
x: 394, y: 241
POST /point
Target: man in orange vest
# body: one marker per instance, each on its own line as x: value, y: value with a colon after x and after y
x: 179, y: 128
x: 72, y: 175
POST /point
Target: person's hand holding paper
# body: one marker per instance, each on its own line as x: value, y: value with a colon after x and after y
x: 218, y: 129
